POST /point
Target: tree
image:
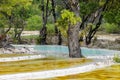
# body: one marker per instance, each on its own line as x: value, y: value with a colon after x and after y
x: 97, y: 17
x: 43, y: 31
x: 57, y: 32
x: 6, y: 8
x: 112, y: 14
x: 48, y: 9
x: 19, y: 22
x: 73, y: 27
x: 92, y: 16
x: 73, y: 31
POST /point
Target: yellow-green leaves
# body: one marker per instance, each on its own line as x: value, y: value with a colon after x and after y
x: 7, y: 5
x: 67, y: 18
x: 70, y: 17
x: 101, y: 2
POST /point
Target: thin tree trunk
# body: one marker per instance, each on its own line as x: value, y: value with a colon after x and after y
x: 43, y: 31
x: 96, y: 19
x: 54, y: 14
x: 10, y: 18
x: 57, y: 32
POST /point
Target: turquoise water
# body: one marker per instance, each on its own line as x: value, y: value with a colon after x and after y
x: 64, y: 50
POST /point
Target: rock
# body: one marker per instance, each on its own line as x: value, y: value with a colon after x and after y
x: 55, y: 39
x: 1, y: 51
x: 117, y: 40
x: 17, y: 50
x: 7, y: 52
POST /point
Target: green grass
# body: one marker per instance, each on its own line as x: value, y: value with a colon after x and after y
x: 108, y: 73
x: 30, y: 37
x: 39, y: 65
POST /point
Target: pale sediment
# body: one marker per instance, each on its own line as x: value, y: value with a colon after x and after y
x: 21, y: 58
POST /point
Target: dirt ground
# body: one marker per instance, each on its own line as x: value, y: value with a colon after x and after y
x: 110, y: 37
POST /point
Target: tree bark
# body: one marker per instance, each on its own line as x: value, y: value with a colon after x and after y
x: 43, y: 31
x: 57, y: 32
x: 18, y: 30
x: 73, y: 41
x: 96, y: 18
x: 73, y: 32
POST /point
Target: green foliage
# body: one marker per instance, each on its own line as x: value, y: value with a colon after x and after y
x: 1, y: 28
x: 34, y: 23
x: 16, y: 9
x: 101, y: 2
x: 87, y: 8
x: 116, y: 58
x: 111, y: 28
x: 8, y: 5
x: 30, y: 37
x: 67, y: 19
x: 33, y: 10
x: 85, y: 31
x: 20, y: 12
x: 1, y: 24
x: 50, y: 29
x: 112, y: 15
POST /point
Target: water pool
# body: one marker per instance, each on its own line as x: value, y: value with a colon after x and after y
x: 63, y: 50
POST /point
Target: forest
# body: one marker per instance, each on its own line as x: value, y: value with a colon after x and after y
x: 75, y: 21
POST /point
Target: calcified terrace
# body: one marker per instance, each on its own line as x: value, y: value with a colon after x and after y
x: 49, y: 63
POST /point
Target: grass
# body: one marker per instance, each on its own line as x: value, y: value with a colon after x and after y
x: 108, y: 73
x: 13, y: 55
x: 39, y: 65
x: 116, y: 58
x: 30, y: 37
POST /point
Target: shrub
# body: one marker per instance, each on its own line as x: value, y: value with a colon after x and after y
x: 111, y: 28
x: 116, y: 58
x: 34, y: 23
x: 50, y: 29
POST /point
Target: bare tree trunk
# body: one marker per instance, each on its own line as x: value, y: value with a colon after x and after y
x: 2, y: 38
x: 73, y: 41
x: 57, y: 32
x: 10, y: 18
x: 59, y: 38
x: 54, y: 14
x: 19, y: 24
x: 95, y: 18
x: 43, y: 31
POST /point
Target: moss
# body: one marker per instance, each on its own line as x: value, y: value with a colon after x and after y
x: 38, y: 65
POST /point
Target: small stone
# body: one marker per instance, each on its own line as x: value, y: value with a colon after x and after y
x: 117, y: 40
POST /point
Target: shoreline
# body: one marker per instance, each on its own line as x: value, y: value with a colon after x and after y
x: 99, y: 61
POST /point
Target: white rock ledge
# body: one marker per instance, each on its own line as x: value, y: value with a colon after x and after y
x: 21, y: 58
